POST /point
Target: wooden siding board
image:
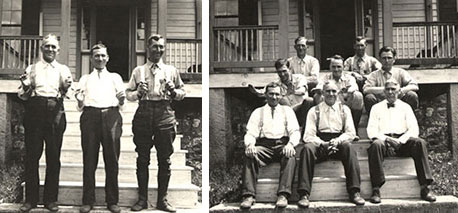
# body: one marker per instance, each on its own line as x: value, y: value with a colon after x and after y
x: 181, y: 19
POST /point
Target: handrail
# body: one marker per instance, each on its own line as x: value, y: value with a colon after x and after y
x: 246, y: 27
x: 431, y: 23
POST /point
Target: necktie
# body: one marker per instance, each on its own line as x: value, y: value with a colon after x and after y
x: 272, y: 111
x: 390, y: 105
x: 387, y: 75
x: 359, y: 65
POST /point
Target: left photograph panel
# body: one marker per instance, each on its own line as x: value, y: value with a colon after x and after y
x: 101, y: 105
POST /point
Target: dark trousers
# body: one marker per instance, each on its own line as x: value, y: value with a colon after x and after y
x: 268, y: 151
x: 415, y: 148
x: 154, y: 119
x: 410, y: 97
x: 313, y: 153
x: 100, y: 126
x: 44, y: 120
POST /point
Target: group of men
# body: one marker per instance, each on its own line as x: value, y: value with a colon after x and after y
x: 323, y: 126
x: 100, y: 95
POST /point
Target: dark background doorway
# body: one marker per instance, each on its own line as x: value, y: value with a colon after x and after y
x: 113, y: 31
x: 337, y: 29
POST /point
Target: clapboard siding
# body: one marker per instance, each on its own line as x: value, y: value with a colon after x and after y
x: 153, y: 26
x: 181, y: 19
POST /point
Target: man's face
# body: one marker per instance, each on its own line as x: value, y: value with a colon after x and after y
x: 360, y: 48
x: 301, y: 47
x: 330, y: 94
x: 387, y: 60
x: 273, y: 96
x: 336, y: 67
x: 50, y: 49
x: 156, y: 50
x: 391, y: 92
x: 283, y: 73
x: 100, y: 58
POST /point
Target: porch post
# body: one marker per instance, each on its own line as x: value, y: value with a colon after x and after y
x: 283, y: 30
x: 387, y: 23
x: 65, y: 12
x: 211, y: 22
x: 1, y: 15
x: 162, y: 17
x: 452, y: 116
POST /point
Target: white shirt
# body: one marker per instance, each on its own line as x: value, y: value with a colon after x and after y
x: 330, y: 122
x: 272, y: 127
x: 308, y: 66
x: 47, y: 79
x: 399, y: 119
x: 100, y: 90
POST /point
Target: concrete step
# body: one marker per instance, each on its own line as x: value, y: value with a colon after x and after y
x: 127, y: 143
x: 326, y: 188
x: 127, y: 157
x: 14, y: 207
x: 446, y: 203
x: 180, y: 196
x: 334, y: 168
x: 127, y: 174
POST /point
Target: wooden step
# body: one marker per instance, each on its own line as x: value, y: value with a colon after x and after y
x: 396, y: 186
x: 181, y: 196
x: 127, y: 157
x: 74, y: 129
x: 127, y: 143
x: 71, y: 106
x: 334, y: 168
x: 127, y: 174
x: 74, y: 116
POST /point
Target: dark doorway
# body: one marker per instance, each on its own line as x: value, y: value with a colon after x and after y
x: 113, y: 31
x: 337, y: 29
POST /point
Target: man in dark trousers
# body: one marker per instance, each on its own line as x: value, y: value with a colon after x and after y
x: 154, y: 85
x: 328, y: 134
x: 43, y: 87
x: 393, y: 130
x: 99, y: 95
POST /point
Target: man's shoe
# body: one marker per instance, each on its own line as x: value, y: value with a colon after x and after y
x: 357, y: 199
x: 113, y: 208
x: 376, y: 198
x: 165, y: 206
x: 247, y: 202
x: 427, y: 195
x: 140, y: 205
x: 282, y: 201
x: 52, y: 207
x: 26, y: 207
x: 303, y: 202
x: 85, y: 208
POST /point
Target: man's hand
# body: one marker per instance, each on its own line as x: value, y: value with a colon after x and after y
x: 121, y: 96
x: 142, y: 88
x: 393, y: 142
x: 25, y: 81
x: 169, y: 86
x: 251, y: 151
x: 357, y: 76
x: 288, y: 150
x: 68, y: 82
x: 333, y: 146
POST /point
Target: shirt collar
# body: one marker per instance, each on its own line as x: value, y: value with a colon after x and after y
x: 363, y: 58
x: 334, y: 107
x: 53, y: 64
x: 103, y: 71
x: 159, y: 64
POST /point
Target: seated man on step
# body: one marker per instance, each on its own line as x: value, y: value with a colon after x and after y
x: 272, y: 133
x: 393, y: 130
x: 329, y: 132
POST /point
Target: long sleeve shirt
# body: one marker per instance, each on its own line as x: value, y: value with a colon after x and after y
x: 99, y: 88
x: 308, y: 66
x: 362, y: 65
x: 262, y: 124
x: 47, y: 80
x: 331, y: 121
x: 399, y: 119
x: 379, y: 77
x: 156, y: 75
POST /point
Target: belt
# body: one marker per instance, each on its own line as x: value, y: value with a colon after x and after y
x: 98, y: 108
x: 44, y: 98
x: 393, y: 135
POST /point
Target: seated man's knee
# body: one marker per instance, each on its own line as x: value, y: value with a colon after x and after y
x: 418, y: 141
x: 411, y: 98
x: 377, y: 144
x: 370, y: 98
x: 357, y: 100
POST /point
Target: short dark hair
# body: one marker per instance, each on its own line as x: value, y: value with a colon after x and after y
x: 155, y: 37
x: 97, y: 46
x: 281, y: 62
x: 299, y: 38
x: 360, y: 39
x: 387, y: 49
x: 335, y: 57
x: 271, y: 85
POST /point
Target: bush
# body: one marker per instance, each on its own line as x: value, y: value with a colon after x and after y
x: 225, y: 184
x: 445, y: 173
x: 11, y: 179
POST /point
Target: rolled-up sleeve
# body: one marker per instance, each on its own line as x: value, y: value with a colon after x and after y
x: 131, y: 89
x: 179, y: 86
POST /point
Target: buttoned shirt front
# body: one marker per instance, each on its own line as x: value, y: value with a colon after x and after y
x: 308, y: 66
x: 345, y: 81
x: 47, y: 79
x: 99, y: 88
x: 399, y: 119
x: 290, y: 98
x: 262, y: 124
x: 156, y: 75
x: 331, y: 121
x: 362, y: 65
x: 379, y: 77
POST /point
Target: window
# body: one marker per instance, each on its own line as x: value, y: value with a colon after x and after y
x: 11, y: 17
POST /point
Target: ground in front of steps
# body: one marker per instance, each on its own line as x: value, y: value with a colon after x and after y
x: 14, y: 207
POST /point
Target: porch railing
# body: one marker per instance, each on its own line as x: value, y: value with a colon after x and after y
x: 426, y: 42
x: 245, y: 46
x: 17, y: 52
x: 185, y: 54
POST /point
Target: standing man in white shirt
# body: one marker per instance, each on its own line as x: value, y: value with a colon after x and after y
x: 305, y: 64
x: 43, y: 87
x: 99, y: 95
x: 154, y: 85
x: 393, y: 130
x: 272, y: 134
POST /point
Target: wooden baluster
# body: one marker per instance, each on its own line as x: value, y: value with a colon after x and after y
x: 218, y: 45
x: 442, y: 41
x: 431, y: 43
x: 273, y: 45
x: 454, y: 41
x: 448, y: 41
x: 246, y: 45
